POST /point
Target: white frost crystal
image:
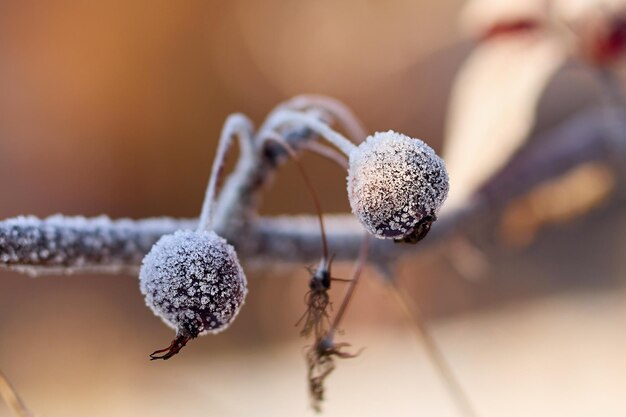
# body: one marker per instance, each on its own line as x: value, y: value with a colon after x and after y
x: 193, y: 281
x: 394, y: 182
x: 62, y: 244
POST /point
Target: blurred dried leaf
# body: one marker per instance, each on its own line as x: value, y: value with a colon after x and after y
x: 572, y: 10
x: 597, y: 29
x: 557, y: 201
x: 479, y: 16
x: 492, y: 106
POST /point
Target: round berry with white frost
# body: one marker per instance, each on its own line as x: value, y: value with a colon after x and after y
x: 396, y: 185
x: 193, y: 280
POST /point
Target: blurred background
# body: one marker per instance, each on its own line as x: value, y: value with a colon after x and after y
x: 115, y: 108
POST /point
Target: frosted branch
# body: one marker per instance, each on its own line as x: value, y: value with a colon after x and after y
x: 236, y: 125
x: 286, y: 117
x: 62, y: 244
x: 75, y: 244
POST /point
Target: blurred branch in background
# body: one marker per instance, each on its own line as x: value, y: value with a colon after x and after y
x: 12, y: 398
x: 496, y: 93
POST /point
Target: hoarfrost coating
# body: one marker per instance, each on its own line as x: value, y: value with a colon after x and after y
x: 61, y: 244
x: 193, y: 281
x: 394, y: 181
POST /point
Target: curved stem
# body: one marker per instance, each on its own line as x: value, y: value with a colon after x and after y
x: 236, y: 124
x: 327, y: 152
x: 284, y: 117
x: 345, y: 116
x: 360, y: 264
x: 274, y: 137
x: 412, y: 311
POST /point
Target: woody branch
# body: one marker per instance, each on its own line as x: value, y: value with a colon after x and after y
x: 61, y: 244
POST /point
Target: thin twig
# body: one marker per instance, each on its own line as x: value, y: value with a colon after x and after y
x: 12, y: 398
x: 236, y: 125
x: 309, y: 184
x: 356, y: 276
x: 287, y: 117
x: 328, y: 153
x: 413, y: 313
x: 337, y: 110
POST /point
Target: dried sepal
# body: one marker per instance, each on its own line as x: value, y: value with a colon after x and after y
x: 316, y: 314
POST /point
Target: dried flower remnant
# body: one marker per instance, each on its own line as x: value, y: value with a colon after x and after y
x: 396, y: 185
x: 320, y: 361
x: 321, y: 355
x: 317, y: 301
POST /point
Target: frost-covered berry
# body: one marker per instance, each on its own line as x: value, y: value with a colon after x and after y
x: 396, y: 185
x: 194, y: 282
